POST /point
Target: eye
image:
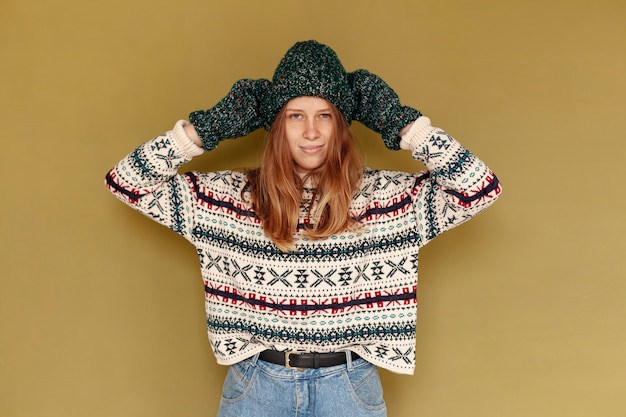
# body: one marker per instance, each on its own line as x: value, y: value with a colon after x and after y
x: 295, y: 116
x: 326, y: 116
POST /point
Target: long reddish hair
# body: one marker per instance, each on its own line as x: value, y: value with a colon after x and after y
x: 276, y: 187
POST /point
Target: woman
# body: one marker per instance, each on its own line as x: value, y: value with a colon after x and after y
x: 310, y: 261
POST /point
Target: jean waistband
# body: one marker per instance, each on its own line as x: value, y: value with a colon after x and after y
x: 295, y: 359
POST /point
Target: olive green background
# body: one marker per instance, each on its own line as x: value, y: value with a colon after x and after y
x: 522, y: 310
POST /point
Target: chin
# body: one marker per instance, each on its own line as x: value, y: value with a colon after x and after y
x: 306, y: 168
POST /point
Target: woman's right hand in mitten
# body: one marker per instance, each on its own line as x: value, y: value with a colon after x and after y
x: 236, y: 115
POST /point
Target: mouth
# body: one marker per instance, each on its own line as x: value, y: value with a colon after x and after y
x: 311, y: 149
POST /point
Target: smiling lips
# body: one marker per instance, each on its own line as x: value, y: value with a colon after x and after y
x: 311, y: 149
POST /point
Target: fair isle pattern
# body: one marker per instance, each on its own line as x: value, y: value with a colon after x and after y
x: 356, y: 290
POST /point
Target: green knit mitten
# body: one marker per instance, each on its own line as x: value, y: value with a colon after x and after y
x: 378, y: 107
x: 236, y: 115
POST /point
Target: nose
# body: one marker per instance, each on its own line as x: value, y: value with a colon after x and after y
x: 311, y: 130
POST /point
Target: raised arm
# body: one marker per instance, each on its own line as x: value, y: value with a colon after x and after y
x: 147, y: 179
x: 457, y: 186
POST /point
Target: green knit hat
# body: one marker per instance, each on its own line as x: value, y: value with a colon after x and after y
x: 309, y: 68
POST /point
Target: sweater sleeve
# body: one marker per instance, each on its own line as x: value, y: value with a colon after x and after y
x: 457, y: 186
x: 147, y: 179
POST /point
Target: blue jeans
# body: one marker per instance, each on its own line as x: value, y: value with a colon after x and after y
x: 258, y: 389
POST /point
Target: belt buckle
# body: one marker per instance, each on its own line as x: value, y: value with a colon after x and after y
x: 288, y: 354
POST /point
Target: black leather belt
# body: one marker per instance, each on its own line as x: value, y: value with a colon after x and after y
x: 295, y: 359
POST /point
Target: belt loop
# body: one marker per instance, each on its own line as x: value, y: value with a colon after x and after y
x: 349, y: 360
x: 254, y: 358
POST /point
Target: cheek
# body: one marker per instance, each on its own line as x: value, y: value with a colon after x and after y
x: 328, y: 128
x: 290, y: 138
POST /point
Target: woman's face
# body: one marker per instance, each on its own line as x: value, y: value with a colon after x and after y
x: 309, y: 128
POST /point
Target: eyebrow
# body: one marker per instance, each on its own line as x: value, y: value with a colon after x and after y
x: 327, y: 109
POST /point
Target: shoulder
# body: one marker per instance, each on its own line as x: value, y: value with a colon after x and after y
x: 226, y: 181
x: 373, y: 176
x: 385, y: 183
x: 225, y: 175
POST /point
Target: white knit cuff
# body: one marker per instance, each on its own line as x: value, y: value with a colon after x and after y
x: 419, y: 132
x: 184, y: 142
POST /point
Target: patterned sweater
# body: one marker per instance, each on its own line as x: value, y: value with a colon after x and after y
x: 356, y: 290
